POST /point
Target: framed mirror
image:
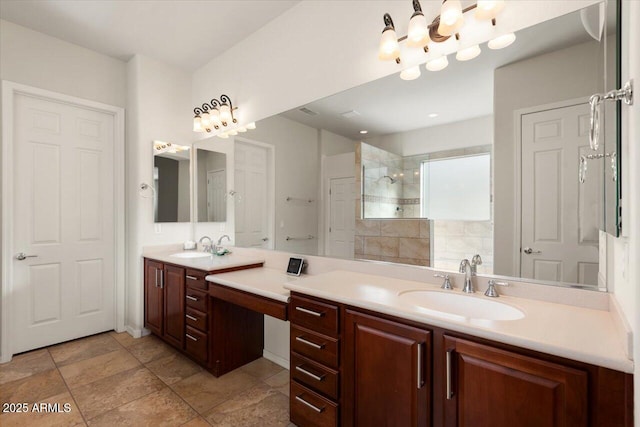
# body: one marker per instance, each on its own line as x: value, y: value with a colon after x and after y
x: 172, y: 182
x: 210, y: 184
x: 479, y: 158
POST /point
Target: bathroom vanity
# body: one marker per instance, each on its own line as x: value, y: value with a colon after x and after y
x: 195, y: 316
x: 366, y: 356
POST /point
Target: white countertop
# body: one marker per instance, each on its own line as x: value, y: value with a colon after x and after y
x: 577, y: 333
x: 208, y: 263
x: 266, y: 282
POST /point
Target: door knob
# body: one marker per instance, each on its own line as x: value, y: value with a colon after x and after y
x: 22, y: 256
x: 530, y: 251
x: 264, y: 239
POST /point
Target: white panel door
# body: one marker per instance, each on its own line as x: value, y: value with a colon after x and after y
x: 251, y: 204
x: 560, y: 216
x: 342, y: 217
x: 63, y: 220
x: 216, y: 195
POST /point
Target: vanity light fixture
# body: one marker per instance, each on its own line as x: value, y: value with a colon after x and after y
x: 364, y: 132
x: 216, y: 114
x: 160, y: 147
x: 446, y: 24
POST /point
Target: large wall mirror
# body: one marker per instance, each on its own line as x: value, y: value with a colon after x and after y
x: 171, y: 180
x: 480, y: 158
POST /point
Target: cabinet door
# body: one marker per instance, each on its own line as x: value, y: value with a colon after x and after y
x: 174, y: 305
x: 153, y: 297
x: 387, y: 373
x: 497, y: 388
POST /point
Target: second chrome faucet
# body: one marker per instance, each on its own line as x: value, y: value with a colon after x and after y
x: 469, y: 269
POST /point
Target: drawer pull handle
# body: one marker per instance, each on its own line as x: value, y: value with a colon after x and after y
x: 192, y: 338
x: 195, y: 319
x: 314, y: 407
x: 309, y: 343
x: 189, y: 297
x: 448, y: 361
x: 192, y: 277
x: 311, y: 312
x: 299, y: 368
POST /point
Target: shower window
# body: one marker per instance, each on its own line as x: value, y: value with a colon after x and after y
x: 457, y: 188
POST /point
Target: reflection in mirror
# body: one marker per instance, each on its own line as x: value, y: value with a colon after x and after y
x: 211, y: 185
x: 478, y: 159
x: 171, y: 179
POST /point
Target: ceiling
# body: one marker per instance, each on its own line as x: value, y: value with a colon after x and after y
x: 185, y: 33
x: 462, y: 91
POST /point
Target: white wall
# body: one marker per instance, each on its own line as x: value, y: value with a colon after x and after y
x: 159, y: 108
x: 42, y: 61
x: 462, y: 134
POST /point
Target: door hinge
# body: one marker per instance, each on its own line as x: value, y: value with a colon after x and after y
x: 620, y: 218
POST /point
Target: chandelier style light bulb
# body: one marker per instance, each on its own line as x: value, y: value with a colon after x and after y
x: 502, y: 41
x: 411, y: 73
x: 389, y: 48
x: 451, y: 18
x: 468, y: 53
x: 197, y: 124
x: 418, y: 34
x: 437, y: 64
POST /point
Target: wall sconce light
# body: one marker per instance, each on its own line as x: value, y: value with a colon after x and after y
x: 447, y: 24
x: 214, y: 115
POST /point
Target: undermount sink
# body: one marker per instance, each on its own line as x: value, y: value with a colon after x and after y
x: 191, y: 255
x: 461, y: 305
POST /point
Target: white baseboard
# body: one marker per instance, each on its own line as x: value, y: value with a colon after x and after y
x: 137, y: 333
x: 276, y: 359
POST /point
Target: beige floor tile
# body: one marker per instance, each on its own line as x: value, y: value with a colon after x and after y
x: 162, y: 408
x: 262, y: 368
x: 173, y: 368
x: 203, y: 391
x: 46, y: 419
x: 150, y: 348
x: 108, y: 393
x: 279, y: 382
x: 197, y: 422
x: 26, y: 364
x: 33, y: 388
x: 84, y: 348
x: 260, y: 407
x: 124, y: 338
x: 99, y: 367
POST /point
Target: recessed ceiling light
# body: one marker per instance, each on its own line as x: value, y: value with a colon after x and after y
x: 363, y: 132
x: 433, y: 115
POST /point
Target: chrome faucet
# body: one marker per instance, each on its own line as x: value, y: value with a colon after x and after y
x: 465, y: 267
x: 209, y: 247
x: 218, y: 245
x: 475, y: 262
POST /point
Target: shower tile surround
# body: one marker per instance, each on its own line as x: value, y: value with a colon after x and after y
x: 440, y: 244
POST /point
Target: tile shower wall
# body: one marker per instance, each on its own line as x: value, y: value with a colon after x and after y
x: 405, y: 241
x: 382, y: 174
x: 456, y: 240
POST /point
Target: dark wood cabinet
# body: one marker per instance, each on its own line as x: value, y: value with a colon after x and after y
x: 174, y: 305
x: 387, y: 369
x: 164, y: 301
x: 487, y: 386
x: 153, y: 297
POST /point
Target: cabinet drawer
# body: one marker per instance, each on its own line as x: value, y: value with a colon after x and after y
x: 317, y: 377
x: 195, y: 279
x: 196, y: 344
x: 316, y: 347
x: 196, y: 299
x: 310, y: 409
x: 315, y: 315
x: 196, y: 319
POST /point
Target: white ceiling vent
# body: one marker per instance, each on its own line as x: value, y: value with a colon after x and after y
x: 350, y: 114
x: 308, y: 111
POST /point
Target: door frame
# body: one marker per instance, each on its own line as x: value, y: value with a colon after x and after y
x: 9, y: 91
x: 271, y: 186
x: 517, y: 170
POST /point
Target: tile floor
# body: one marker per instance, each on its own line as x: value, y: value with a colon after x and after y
x: 113, y: 379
